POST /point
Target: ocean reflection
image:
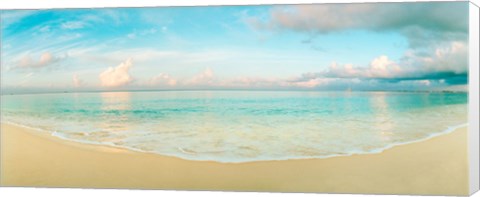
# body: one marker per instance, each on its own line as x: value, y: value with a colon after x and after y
x: 115, y: 107
x: 383, y: 123
x: 116, y: 100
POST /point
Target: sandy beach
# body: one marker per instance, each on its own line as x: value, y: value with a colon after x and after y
x: 435, y: 166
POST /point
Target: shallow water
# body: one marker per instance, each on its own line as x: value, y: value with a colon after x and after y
x: 241, y: 126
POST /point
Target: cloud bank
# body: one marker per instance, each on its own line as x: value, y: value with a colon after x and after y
x: 422, y: 23
x: 437, y: 34
x: 447, y: 65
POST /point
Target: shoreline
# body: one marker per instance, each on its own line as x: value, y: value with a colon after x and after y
x: 428, y: 167
x: 449, y: 130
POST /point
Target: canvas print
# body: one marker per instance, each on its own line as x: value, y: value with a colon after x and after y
x: 332, y: 98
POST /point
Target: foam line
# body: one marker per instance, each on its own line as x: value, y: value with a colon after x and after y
x: 189, y: 155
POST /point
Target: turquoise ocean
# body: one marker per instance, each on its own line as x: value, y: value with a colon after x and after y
x: 241, y: 126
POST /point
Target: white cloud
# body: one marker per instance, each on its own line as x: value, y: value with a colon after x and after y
x: 131, y: 35
x: 162, y: 79
x: 206, y: 77
x: 148, y: 31
x: 44, y: 29
x: 44, y: 60
x: 380, y: 67
x: 164, y: 29
x: 449, y: 57
x: 323, y: 18
x: 425, y: 82
x: 117, y: 76
x: 73, y: 25
x: 142, y: 33
x: 313, y: 82
x: 77, y: 82
x: 12, y: 16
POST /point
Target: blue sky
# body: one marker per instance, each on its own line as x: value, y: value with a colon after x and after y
x: 383, y: 46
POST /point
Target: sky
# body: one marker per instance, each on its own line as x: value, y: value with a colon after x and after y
x: 380, y: 46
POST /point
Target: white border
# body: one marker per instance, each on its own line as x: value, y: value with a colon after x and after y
x: 473, y: 99
x: 473, y: 95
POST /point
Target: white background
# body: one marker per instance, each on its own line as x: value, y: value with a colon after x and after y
x: 35, y: 4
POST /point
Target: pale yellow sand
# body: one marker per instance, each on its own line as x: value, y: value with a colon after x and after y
x: 435, y: 166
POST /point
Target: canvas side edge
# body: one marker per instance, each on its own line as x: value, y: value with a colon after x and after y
x: 473, y: 81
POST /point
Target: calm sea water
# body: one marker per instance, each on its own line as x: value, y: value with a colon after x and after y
x: 241, y: 126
